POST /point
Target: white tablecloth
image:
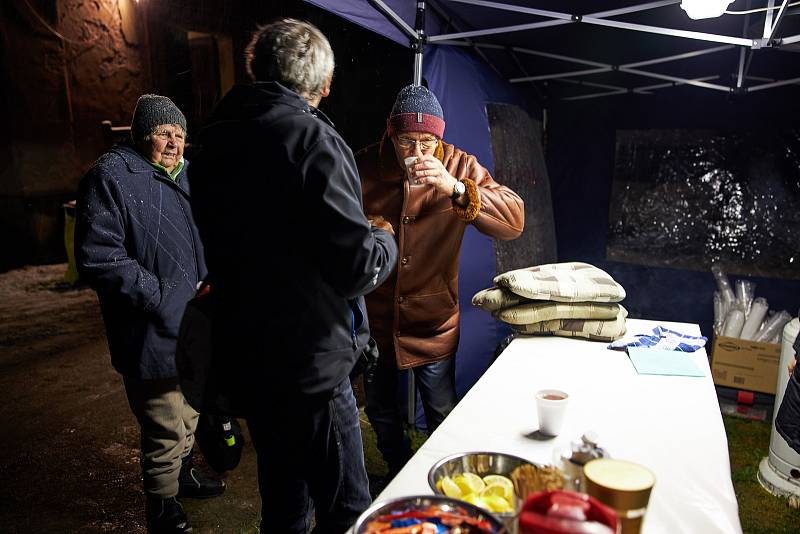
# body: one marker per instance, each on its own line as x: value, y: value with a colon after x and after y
x: 670, y: 424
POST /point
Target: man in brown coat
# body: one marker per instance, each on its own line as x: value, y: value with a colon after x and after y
x: 414, y: 314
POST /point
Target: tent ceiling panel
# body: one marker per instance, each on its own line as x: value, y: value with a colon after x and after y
x: 553, y: 41
x: 611, y: 46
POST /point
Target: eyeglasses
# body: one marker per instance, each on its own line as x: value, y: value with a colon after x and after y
x: 424, y: 144
x: 164, y: 135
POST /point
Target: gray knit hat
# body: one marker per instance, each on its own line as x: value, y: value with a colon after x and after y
x: 152, y: 111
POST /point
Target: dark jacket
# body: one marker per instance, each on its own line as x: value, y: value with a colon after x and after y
x: 787, y: 422
x: 290, y: 252
x: 415, y: 314
x: 137, y: 245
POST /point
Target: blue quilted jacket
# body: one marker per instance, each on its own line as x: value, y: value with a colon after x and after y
x: 137, y: 245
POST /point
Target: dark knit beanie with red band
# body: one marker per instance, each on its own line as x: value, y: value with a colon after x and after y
x: 416, y: 109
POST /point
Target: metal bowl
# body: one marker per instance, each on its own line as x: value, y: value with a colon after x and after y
x: 480, y: 463
x: 446, y: 504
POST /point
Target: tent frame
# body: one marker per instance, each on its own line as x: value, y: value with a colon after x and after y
x: 418, y: 38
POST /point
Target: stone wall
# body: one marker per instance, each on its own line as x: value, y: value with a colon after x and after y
x: 67, y: 65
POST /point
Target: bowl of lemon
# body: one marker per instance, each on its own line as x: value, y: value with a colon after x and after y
x: 493, y: 481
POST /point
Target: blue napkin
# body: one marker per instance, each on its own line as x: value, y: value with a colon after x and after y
x: 662, y: 338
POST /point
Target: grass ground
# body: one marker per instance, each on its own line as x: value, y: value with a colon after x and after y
x: 759, y: 511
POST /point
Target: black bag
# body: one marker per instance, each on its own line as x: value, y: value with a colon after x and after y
x: 221, y: 440
x: 787, y: 422
x: 207, y: 383
x: 366, y: 362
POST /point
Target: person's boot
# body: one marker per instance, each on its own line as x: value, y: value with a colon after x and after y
x: 193, y: 483
x: 166, y: 516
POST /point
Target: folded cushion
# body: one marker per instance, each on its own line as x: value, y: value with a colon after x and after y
x: 495, y: 298
x: 545, y: 310
x: 562, y: 282
x: 595, y: 330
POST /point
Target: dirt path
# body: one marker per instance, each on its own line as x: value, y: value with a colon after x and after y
x: 69, y: 451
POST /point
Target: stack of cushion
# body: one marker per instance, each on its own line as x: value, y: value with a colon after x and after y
x: 564, y: 299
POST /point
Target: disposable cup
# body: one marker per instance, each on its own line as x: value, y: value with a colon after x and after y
x: 551, y: 408
x: 409, y: 161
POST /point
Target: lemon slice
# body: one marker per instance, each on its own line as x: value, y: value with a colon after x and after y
x: 450, y: 488
x: 469, y: 483
x: 496, y: 503
x: 498, y: 481
x: 496, y: 490
x: 474, y: 498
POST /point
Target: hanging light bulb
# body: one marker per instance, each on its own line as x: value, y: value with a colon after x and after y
x: 705, y: 9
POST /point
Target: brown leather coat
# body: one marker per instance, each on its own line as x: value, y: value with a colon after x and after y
x: 415, y: 311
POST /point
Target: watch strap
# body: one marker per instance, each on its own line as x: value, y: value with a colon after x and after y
x: 458, y: 191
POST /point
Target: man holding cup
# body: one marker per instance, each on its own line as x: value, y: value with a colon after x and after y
x: 429, y: 191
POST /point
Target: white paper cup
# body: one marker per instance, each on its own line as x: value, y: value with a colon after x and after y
x: 409, y: 161
x: 551, y: 408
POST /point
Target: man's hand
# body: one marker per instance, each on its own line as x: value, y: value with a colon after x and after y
x: 791, y: 366
x: 429, y: 171
x: 379, y: 222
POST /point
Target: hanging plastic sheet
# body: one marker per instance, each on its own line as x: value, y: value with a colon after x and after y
x: 519, y: 164
x: 685, y: 199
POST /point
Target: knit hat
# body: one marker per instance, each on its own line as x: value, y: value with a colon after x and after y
x: 152, y: 111
x: 416, y: 109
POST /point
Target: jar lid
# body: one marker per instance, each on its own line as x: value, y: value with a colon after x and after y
x: 621, y: 484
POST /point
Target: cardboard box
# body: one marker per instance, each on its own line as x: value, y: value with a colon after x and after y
x: 749, y: 365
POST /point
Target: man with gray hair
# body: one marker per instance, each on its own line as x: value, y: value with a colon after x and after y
x: 290, y: 253
x: 137, y: 245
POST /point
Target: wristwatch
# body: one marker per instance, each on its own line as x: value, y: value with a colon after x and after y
x: 458, y: 189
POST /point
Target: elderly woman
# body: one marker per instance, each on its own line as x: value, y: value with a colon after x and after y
x: 137, y: 245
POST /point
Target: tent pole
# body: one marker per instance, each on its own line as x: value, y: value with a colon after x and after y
x: 762, y: 79
x: 417, y: 68
x: 418, y: 45
x: 780, y: 83
x: 778, y: 19
x: 645, y: 88
x: 548, y: 23
x: 418, y: 42
x: 393, y: 17
x: 417, y: 36
x: 675, y: 79
x: 790, y: 40
x: 560, y: 75
x: 743, y: 52
x: 768, y: 19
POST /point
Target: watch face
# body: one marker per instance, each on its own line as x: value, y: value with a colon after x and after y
x: 459, y: 189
